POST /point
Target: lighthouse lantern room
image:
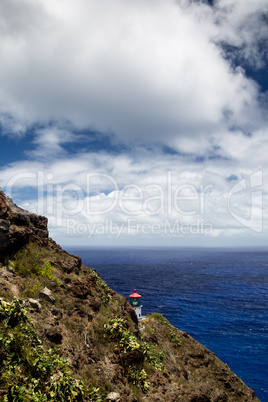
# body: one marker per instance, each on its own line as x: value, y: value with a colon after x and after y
x: 135, y: 301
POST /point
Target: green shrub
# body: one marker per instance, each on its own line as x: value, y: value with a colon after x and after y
x: 153, y: 356
x: 27, y: 261
x: 173, y: 338
x: 28, y: 371
x: 138, y: 378
x: 94, y: 395
x: 117, y: 329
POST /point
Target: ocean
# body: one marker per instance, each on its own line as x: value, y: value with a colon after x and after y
x: 218, y: 296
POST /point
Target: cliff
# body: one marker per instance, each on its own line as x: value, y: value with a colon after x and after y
x: 67, y: 336
x: 18, y: 228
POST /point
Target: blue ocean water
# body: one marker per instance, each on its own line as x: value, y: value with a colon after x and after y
x: 218, y: 296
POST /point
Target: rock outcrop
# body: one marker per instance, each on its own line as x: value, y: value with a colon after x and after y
x: 19, y: 227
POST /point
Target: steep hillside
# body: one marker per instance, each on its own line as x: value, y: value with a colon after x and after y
x: 65, y: 335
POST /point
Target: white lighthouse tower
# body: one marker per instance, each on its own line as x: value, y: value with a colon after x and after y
x: 135, y: 301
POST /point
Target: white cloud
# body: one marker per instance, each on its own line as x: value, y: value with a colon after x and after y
x: 147, y: 74
x: 244, y: 24
x: 128, y: 199
x: 144, y: 71
x: 49, y: 142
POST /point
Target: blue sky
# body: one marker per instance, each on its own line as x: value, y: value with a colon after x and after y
x: 137, y: 123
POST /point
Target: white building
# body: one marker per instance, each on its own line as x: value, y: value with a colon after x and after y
x: 135, y: 301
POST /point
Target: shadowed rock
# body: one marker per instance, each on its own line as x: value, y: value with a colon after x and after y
x: 19, y: 227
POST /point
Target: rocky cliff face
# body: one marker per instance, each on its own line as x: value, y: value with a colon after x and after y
x: 94, y: 328
x: 19, y: 227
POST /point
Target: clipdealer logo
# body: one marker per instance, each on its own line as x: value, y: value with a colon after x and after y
x: 167, y: 209
x: 249, y: 191
x: 131, y: 199
x: 134, y: 227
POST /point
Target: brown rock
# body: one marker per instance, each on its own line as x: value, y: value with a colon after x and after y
x: 19, y: 227
x: 46, y: 294
x: 113, y: 396
x: 4, y: 237
x: 35, y: 304
x: 200, y: 398
x: 72, y: 264
x: 82, y: 288
x: 222, y: 397
x: 133, y: 357
x: 3, y: 204
x: 53, y: 334
x: 130, y: 312
x: 94, y: 304
x: 150, y: 338
x: 67, y: 262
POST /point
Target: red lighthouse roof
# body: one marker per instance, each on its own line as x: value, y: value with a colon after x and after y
x: 135, y: 294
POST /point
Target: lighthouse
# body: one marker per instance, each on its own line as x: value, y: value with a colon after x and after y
x: 135, y: 301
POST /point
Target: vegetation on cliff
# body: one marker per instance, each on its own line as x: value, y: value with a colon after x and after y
x: 67, y: 336
x: 29, y: 371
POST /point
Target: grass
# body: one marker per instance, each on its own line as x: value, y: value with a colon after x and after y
x: 162, y: 320
x: 31, y: 262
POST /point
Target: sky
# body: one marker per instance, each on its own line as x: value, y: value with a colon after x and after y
x: 137, y: 123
